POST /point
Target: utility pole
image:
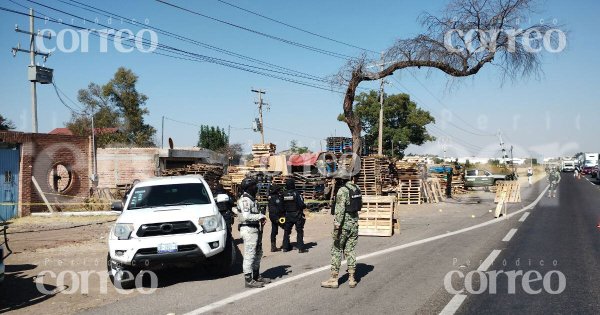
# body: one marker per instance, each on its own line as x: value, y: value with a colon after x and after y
x: 260, y: 113
x: 162, y: 133
x: 35, y: 73
x: 380, y: 139
x: 502, y: 147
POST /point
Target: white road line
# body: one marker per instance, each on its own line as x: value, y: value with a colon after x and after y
x: 509, y: 235
x: 525, y: 215
x: 245, y: 294
x: 489, y: 260
x: 453, y: 305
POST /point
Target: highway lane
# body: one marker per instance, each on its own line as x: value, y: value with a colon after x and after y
x: 562, y: 230
x: 408, y: 280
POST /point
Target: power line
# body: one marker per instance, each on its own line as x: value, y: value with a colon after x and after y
x: 64, y: 103
x: 179, y: 52
x: 297, y: 28
x: 130, y: 21
x: 290, y: 42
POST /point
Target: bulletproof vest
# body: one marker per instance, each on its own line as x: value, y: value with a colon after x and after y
x: 355, y: 200
x: 289, y: 201
x: 275, y: 205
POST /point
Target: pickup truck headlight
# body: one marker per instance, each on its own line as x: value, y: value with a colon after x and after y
x: 123, y: 231
x: 211, y: 223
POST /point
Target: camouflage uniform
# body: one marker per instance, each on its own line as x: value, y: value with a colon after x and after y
x: 345, y: 234
x: 249, y: 231
x: 553, y: 179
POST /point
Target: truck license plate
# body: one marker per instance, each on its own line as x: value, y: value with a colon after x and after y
x: 166, y: 248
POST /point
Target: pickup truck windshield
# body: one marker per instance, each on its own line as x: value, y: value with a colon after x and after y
x: 168, y: 195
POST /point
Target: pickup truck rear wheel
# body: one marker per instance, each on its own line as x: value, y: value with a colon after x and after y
x: 121, y: 277
x: 222, y: 263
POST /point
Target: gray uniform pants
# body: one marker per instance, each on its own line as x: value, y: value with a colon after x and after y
x: 252, y: 251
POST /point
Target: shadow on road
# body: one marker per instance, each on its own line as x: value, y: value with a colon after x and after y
x: 362, y: 270
x: 19, y: 291
x: 277, y: 272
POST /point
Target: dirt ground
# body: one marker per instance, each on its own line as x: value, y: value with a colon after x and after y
x: 68, y: 245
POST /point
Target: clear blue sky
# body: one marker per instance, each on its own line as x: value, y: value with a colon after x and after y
x: 205, y: 93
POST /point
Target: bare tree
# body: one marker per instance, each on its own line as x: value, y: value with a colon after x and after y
x: 466, y: 36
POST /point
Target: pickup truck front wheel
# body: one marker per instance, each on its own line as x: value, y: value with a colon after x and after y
x: 121, y: 277
x: 222, y: 263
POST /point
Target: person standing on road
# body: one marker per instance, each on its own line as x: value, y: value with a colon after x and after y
x: 250, y: 227
x: 276, y: 214
x: 348, y: 203
x: 529, y: 176
x: 576, y: 173
x: 553, y: 180
x: 293, y: 203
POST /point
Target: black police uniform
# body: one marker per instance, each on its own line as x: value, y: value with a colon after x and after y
x: 276, y: 212
x: 293, y: 204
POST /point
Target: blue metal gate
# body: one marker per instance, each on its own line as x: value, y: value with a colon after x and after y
x: 9, y: 182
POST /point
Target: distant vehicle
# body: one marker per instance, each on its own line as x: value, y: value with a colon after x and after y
x: 440, y: 169
x: 590, y: 160
x: 482, y: 178
x: 169, y: 221
x: 587, y: 169
x: 568, y: 166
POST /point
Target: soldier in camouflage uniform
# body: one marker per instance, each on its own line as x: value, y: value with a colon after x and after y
x: 250, y: 227
x: 553, y: 180
x: 345, y: 231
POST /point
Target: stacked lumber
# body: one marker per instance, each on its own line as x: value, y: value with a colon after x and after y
x: 263, y: 149
x: 212, y: 173
x: 374, y: 175
x: 407, y: 170
x: 377, y: 216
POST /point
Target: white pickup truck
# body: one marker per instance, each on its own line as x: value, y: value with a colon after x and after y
x: 168, y: 221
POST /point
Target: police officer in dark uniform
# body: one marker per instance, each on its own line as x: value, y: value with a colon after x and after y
x: 276, y: 214
x: 293, y: 203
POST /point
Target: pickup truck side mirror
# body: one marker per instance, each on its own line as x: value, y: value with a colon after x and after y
x: 117, y: 206
x: 222, y: 198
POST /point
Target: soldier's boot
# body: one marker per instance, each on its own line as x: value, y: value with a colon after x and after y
x: 250, y: 283
x: 331, y: 282
x: 351, y: 280
x: 258, y: 278
x: 274, y: 247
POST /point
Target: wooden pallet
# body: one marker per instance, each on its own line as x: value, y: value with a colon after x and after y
x: 409, y: 192
x: 511, y: 190
x: 377, y: 215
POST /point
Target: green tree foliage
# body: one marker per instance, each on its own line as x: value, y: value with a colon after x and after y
x: 6, y: 124
x: 121, y: 91
x: 294, y: 148
x: 212, y: 138
x: 117, y: 104
x: 105, y: 114
x: 404, y: 123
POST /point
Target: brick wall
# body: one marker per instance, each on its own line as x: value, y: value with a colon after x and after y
x: 117, y: 166
x: 39, y: 154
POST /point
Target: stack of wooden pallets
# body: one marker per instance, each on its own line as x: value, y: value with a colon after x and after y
x: 212, y: 173
x: 409, y: 191
x: 234, y: 177
x: 339, y: 144
x: 377, y: 216
x: 374, y: 175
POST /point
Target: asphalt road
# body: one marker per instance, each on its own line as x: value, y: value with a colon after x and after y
x: 399, y: 275
x: 562, y: 233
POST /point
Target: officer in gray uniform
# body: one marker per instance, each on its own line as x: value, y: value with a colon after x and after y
x: 250, y: 227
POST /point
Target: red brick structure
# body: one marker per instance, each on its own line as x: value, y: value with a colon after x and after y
x: 61, y: 165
